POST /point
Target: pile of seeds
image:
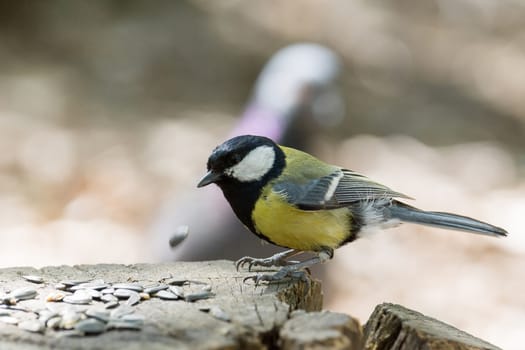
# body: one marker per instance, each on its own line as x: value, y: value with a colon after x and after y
x: 86, y: 307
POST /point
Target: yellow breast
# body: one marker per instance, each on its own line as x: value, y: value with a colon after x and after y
x: 287, y: 226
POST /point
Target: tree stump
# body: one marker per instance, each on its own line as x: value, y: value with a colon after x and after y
x: 204, y: 305
x: 321, y: 330
x: 250, y: 316
x: 394, y: 327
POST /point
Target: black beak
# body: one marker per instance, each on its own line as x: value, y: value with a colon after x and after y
x: 209, y: 178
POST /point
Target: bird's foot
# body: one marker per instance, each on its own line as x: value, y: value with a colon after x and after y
x: 278, y: 259
x: 291, y: 269
x: 285, y: 273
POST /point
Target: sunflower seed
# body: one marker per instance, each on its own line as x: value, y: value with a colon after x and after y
x: 69, y: 319
x: 72, y: 299
x: 165, y: 295
x: 121, y: 311
x: 7, y: 300
x: 177, y: 291
x: 23, y: 293
x: 33, y: 278
x: 79, y: 297
x: 96, y: 284
x: 90, y: 326
x: 112, y: 304
x: 9, y: 319
x: 59, y: 308
x: 54, y: 322
x: 56, y: 296
x: 34, y: 326
x: 72, y: 283
x: 95, y: 294
x: 109, y: 290
x: 144, y: 296
x: 132, y: 296
x: 197, y: 296
x: 219, y: 313
x: 155, y: 288
x: 122, y: 293
x: 107, y: 298
x: 99, y: 314
x: 131, y: 286
x: 176, y: 281
x: 179, y: 235
x: 45, y: 314
x: 133, y: 299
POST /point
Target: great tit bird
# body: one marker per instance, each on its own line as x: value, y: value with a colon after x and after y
x: 296, y: 92
x: 294, y: 200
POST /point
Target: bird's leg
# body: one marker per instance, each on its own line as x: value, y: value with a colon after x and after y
x: 278, y: 259
x: 294, y: 271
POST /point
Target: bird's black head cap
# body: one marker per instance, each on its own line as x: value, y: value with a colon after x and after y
x: 241, y: 167
x: 232, y: 151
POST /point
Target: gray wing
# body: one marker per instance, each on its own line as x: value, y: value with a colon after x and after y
x: 338, y: 189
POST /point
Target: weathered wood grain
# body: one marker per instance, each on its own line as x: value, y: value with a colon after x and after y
x: 394, y: 327
x: 258, y: 317
x: 257, y: 312
x: 321, y: 330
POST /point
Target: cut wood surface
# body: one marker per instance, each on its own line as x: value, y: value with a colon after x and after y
x: 394, y: 327
x: 321, y: 330
x: 256, y: 313
x: 232, y: 315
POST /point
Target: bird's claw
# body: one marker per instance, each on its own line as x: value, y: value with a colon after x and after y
x: 266, y: 262
x: 279, y: 276
x: 243, y: 261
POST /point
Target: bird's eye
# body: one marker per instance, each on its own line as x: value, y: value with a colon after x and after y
x: 233, y: 159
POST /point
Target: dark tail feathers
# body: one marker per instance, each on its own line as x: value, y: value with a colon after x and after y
x: 407, y: 213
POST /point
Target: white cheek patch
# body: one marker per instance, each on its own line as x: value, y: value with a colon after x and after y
x: 254, y: 165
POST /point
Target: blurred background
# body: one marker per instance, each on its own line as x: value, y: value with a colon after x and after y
x: 109, y: 110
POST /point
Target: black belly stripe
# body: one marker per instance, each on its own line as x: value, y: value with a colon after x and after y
x: 242, y: 196
x: 242, y: 199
